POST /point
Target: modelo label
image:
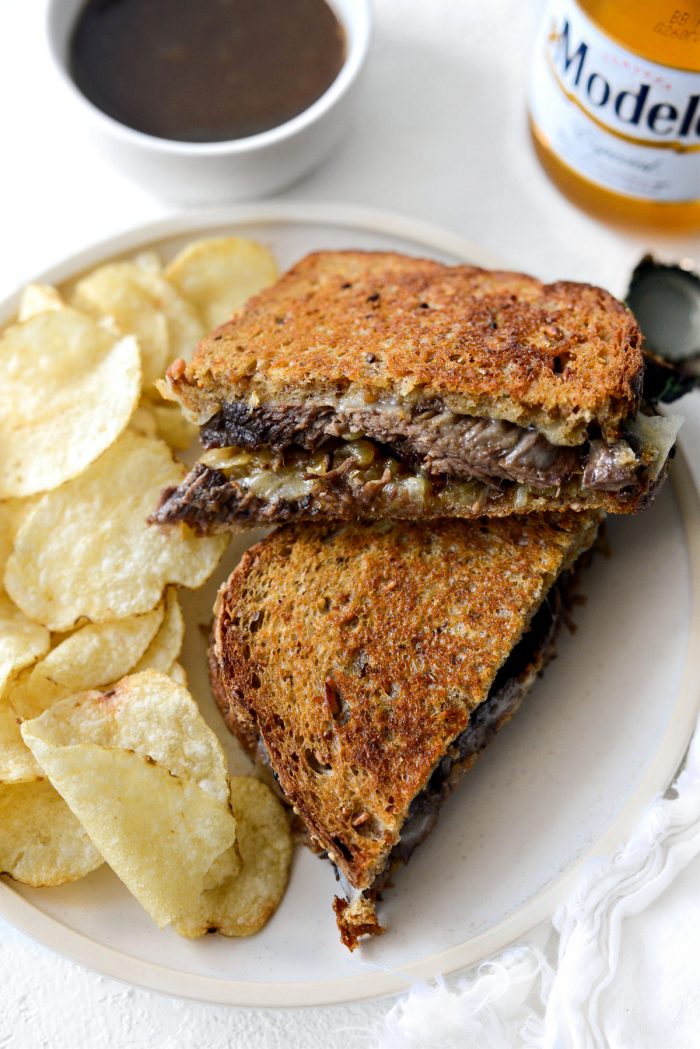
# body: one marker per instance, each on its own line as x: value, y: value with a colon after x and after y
x: 624, y: 123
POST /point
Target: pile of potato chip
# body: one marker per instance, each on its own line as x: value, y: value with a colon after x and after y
x: 104, y: 755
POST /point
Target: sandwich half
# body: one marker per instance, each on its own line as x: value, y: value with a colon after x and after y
x: 368, y: 665
x: 368, y: 385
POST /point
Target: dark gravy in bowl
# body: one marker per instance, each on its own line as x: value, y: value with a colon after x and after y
x: 205, y: 70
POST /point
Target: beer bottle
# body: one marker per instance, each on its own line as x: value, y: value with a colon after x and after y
x: 615, y: 108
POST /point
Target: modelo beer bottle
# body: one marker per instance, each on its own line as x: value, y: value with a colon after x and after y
x: 615, y: 107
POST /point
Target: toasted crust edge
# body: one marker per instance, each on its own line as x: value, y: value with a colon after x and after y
x: 355, y: 920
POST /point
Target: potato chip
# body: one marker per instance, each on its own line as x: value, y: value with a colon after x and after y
x: 22, y: 642
x: 86, y: 549
x: 173, y: 427
x: 38, y: 298
x: 67, y: 393
x: 13, y: 513
x: 94, y: 655
x: 149, y: 260
x: 160, y: 834
x: 242, y: 904
x: 178, y: 673
x: 30, y: 694
x: 226, y: 865
x: 147, y: 778
x: 185, y: 327
x: 41, y: 841
x: 221, y: 273
x: 7, y: 536
x: 17, y: 763
x: 143, y: 420
x: 166, y: 645
x: 116, y: 291
x: 165, y: 421
x: 141, y: 302
x: 147, y: 713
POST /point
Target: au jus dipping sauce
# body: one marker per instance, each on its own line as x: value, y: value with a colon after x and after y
x: 205, y: 70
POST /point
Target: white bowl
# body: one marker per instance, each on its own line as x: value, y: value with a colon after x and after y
x: 209, y: 172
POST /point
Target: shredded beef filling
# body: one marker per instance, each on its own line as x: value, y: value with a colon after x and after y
x: 281, y: 464
x: 274, y: 464
x: 207, y: 497
x: 440, y: 442
x: 351, y: 480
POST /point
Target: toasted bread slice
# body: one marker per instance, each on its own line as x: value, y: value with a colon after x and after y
x: 357, y: 655
x: 371, y: 325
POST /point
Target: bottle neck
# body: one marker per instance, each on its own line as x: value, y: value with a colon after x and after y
x: 662, y: 31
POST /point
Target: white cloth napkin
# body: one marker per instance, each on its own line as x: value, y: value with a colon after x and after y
x: 621, y: 964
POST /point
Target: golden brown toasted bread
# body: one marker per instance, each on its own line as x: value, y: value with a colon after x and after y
x: 357, y: 654
x: 490, y: 344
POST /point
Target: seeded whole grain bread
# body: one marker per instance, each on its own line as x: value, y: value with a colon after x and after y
x: 556, y: 357
x: 357, y: 654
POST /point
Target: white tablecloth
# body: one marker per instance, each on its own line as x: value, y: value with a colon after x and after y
x: 440, y: 134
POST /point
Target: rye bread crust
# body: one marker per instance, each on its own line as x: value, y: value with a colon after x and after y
x: 359, y: 652
x: 370, y: 324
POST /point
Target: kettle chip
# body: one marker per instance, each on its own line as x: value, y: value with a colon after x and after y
x: 92, y: 656
x: 41, y: 841
x: 244, y: 903
x: 94, y: 381
x: 22, y: 641
x: 104, y: 754
x: 146, y: 777
x: 219, y: 274
x: 17, y: 763
x: 166, y: 644
x: 140, y: 301
x: 87, y: 551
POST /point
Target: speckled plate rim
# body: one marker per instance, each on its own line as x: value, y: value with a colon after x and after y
x: 73, y: 945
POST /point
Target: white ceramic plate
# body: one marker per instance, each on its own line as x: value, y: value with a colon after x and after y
x: 602, y: 732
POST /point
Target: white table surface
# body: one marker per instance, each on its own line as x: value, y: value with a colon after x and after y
x: 439, y: 134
